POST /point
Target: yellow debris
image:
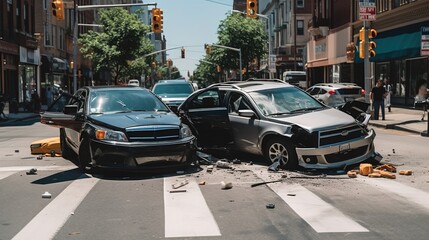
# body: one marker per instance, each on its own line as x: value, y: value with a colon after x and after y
x: 365, y: 169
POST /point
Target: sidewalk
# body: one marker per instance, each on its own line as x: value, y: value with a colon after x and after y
x: 404, y: 119
x: 13, y: 117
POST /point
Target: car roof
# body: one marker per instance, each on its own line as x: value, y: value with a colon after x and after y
x: 175, y: 81
x: 116, y: 87
x: 253, y: 84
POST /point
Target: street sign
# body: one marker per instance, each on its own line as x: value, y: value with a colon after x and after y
x: 367, y: 10
x: 424, y: 50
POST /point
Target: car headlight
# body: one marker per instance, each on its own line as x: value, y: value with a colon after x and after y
x: 102, y: 134
x: 185, y: 131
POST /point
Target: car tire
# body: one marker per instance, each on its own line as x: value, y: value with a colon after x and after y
x: 281, y: 149
x: 66, y: 151
x: 85, y: 155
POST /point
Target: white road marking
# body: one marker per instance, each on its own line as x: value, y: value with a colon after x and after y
x: 5, y: 174
x: 39, y: 168
x: 47, y: 223
x: 411, y: 194
x: 187, y: 213
x: 320, y: 215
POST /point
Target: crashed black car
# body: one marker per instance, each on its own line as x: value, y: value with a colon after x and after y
x: 120, y: 127
x: 279, y: 121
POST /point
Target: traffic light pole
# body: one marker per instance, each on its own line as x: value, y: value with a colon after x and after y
x: 366, y: 65
x: 239, y: 53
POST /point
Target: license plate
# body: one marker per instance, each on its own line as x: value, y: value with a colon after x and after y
x: 345, y: 147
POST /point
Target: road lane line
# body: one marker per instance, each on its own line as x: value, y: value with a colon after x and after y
x: 411, y: 194
x: 320, y: 215
x: 47, y: 223
x: 40, y: 168
x: 5, y: 174
x: 187, y: 214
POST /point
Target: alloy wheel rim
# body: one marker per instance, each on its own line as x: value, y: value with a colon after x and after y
x: 278, y: 152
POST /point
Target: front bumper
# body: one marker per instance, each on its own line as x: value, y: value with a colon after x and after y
x: 338, y: 156
x: 143, y: 155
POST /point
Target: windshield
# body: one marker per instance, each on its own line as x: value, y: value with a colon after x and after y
x: 172, y: 90
x: 113, y: 101
x: 284, y: 100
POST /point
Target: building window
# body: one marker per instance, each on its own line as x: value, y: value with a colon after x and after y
x: 18, y: 16
x: 300, y: 27
x: 300, y: 3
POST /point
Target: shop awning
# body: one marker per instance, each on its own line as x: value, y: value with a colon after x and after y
x: 405, y: 45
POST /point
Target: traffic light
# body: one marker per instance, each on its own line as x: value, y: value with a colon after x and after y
x: 362, y: 50
x: 58, y: 9
x: 182, y: 52
x: 371, y: 45
x: 350, y: 52
x: 208, y: 48
x: 157, y: 20
x: 252, y: 8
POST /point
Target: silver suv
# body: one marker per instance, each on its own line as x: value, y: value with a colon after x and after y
x: 279, y: 121
x: 173, y: 92
x: 336, y: 94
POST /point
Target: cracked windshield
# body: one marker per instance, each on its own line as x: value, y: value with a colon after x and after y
x: 184, y: 119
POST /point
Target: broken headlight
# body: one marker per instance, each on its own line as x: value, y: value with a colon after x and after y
x: 303, y: 138
x: 185, y: 131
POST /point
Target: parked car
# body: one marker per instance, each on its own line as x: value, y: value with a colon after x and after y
x: 133, y: 82
x: 120, y: 127
x: 173, y: 92
x: 279, y: 121
x: 336, y: 94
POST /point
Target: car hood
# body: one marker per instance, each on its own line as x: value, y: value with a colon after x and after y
x: 318, y: 120
x: 125, y: 120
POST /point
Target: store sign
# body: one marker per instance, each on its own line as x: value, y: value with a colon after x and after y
x: 367, y: 10
x: 424, y: 50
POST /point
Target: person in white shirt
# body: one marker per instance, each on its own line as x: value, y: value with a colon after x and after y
x: 388, y: 88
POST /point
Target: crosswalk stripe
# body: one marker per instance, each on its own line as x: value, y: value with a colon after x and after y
x: 411, y: 194
x: 5, y: 174
x: 47, y: 223
x: 320, y: 215
x: 187, y: 213
x: 40, y: 168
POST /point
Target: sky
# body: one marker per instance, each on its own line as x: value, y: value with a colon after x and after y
x: 191, y: 24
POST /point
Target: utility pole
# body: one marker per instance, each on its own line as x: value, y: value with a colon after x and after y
x: 366, y: 65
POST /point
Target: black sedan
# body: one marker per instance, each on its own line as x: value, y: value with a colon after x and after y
x: 120, y: 127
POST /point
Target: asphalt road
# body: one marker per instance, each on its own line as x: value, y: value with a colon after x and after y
x: 306, y: 205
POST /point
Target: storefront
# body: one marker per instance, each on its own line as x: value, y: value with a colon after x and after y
x: 27, y: 74
x: 9, y: 58
x: 54, y: 74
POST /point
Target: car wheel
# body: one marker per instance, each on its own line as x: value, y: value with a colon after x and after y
x: 85, y: 155
x: 280, y: 149
x: 66, y: 151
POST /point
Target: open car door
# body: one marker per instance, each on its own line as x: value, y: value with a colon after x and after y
x: 57, y: 114
x: 208, y: 118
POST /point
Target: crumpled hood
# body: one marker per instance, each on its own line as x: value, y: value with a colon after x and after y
x: 132, y: 119
x: 318, y: 120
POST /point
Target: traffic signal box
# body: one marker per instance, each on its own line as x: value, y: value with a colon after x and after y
x: 252, y: 8
x: 58, y: 9
x: 182, y: 51
x: 157, y: 20
x: 372, y: 33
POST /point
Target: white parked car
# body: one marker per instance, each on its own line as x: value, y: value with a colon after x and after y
x: 336, y: 94
x: 133, y: 82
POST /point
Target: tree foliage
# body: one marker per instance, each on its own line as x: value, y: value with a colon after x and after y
x: 119, y: 46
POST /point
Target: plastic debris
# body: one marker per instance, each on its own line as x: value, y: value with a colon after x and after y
x: 374, y: 175
x: 387, y: 175
x: 202, y: 183
x: 236, y: 161
x: 291, y: 194
x: 351, y: 174
x: 365, y: 169
x: 32, y: 171
x: 210, y: 168
x: 226, y: 185
x: 406, y: 172
x: 179, y: 185
x: 178, y: 191
x: 223, y: 164
x: 270, y: 206
x: 46, y: 195
x: 386, y: 167
x: 274, y: 167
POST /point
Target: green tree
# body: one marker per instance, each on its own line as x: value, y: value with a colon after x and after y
x: 248, y: 34
x: 119, y: 46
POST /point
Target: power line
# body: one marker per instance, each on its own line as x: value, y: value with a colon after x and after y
x: 219, y: 3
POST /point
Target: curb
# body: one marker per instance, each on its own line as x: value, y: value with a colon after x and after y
x: 395, y: 127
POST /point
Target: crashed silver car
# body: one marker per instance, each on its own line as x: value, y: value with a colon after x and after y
x: 279, y: 121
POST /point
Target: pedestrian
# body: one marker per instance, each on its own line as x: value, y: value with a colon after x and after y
x: 377, y: 95
x: 388, y: 89
x: 49, y: 96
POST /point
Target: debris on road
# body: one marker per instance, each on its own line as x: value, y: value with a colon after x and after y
x: 266, y: 182
x: 275, y: 167
x: 179, y: 185
x: 46, y: 195
x: 351, y: 174
x: 406, y: 172
x: 17, y: 151
x: 202, y: 183
x: 210, y: 168
x: 226, y: 185
x: 40, y: 157
x: 177, y: 191
x: 32, y: 171
x: 236, y: 161
x: 365, y: 169
x: 387, y: 175
x: 374, y: 175
x: 291, y: 194
x: 223, y: 164
x: 386, y: 167
x: 270, y: 206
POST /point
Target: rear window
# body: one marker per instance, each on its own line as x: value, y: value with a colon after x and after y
x: 173, y: 89
x: 349, y: 91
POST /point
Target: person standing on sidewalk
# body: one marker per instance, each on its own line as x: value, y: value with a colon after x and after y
x: 388, y: 89
x: 377, y: 95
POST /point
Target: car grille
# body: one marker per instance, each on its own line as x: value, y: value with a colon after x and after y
x: 154, y: 132
x: 335, y: 136
x: 344, y: 156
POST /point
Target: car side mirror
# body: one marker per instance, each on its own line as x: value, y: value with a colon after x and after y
x: 246, y: 113
x: 70, y: 110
